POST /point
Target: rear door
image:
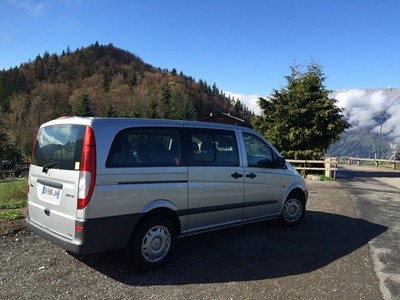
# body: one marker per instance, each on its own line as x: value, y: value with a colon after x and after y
x: 54, y: 176
x: 216, y: 181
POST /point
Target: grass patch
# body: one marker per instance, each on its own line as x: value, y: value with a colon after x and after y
x: 12, y: 203
x: 326, y: 178
x: 13, y: 196
x: 11, y: 214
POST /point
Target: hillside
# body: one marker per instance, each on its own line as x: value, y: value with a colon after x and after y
x: 103, y: 81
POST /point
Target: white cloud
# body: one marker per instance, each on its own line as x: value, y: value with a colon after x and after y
x: 33, y: 7
x: 249, y: 100
x: 364, y: 107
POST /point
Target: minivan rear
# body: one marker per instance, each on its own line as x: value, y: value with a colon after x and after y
x: 98, y: 184
x: 61, y: 178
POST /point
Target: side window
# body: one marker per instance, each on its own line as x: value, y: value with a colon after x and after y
x: 259, y: 154
x: 141, y: 147
x: 212, y: 148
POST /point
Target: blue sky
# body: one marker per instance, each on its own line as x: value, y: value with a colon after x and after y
x: 245, y: 47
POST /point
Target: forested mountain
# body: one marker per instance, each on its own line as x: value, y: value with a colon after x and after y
x: 375, y: 118
x: 99, y: 80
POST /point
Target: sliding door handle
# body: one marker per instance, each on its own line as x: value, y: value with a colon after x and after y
x: 236, y: 175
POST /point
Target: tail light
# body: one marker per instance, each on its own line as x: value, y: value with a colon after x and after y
x: 31, y: 158
x: 87, y: 169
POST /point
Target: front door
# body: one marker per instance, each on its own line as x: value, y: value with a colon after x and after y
x: 263, y: 190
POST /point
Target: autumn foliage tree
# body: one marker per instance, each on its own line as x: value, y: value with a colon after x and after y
x: 102, y: 81
x: 300, y: 119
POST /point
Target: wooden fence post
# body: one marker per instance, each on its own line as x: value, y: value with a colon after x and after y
x: 328, y: 165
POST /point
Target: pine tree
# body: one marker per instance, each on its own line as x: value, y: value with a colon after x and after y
x: 3, y: 141
x: 165, y: 102
x: 84, y: 107
x: 300, y: 119
x: 110, y: 110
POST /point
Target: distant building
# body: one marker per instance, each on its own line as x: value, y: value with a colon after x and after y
x: 224, y: 119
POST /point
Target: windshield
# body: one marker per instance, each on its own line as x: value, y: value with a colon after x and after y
x: 59, y: 146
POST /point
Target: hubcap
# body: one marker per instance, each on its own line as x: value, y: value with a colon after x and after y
x: 292, y: 210
x: 156, y: 243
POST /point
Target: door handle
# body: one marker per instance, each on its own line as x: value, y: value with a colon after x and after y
x: 251, y: 175
x: 236, y: 175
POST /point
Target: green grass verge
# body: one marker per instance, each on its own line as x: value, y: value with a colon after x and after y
x: 11, y: 214
x: 13, y: 195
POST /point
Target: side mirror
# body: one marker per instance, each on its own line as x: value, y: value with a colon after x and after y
x: 280, y: 162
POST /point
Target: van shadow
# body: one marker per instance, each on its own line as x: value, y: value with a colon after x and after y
x: 250, y: 252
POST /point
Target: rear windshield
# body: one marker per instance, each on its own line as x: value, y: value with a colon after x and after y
x: 60, y: 145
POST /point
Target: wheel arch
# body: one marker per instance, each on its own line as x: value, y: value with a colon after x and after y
x: 160, y: 211
x: 296, y: 190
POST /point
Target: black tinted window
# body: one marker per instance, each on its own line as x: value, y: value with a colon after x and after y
x: 145, y: 147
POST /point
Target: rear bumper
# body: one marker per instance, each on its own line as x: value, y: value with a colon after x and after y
x: 98, y: 235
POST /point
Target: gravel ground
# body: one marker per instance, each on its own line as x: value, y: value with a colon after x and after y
x: 326, y: 257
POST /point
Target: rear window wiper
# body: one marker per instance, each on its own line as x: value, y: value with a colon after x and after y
x: 50, y: 165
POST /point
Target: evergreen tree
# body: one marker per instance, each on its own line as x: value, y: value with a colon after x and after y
x: 110, y: 110
x: 39, y: 66
x: 84, y: 107
x: 300, y: 119
x: 153, y: 107
x: 3, y: 141
x: 137, y: 109
x: 132, y: 79
x: 165, y: 101
x: 180, y: 106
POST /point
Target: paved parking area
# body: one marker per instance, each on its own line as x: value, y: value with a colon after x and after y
x: 376, y: 194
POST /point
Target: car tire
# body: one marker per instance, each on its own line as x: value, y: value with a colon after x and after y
x: 153, y: 243
x: 293, y: 210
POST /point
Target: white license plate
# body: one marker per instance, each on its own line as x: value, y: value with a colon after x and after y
x: 50, y: 192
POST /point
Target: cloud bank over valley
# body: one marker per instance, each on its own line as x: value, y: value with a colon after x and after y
x: 365, y: 109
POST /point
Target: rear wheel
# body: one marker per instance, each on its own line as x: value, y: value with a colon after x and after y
x: 154, y: 243
x: 293, y: 210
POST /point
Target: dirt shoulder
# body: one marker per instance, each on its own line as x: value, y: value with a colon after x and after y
x: 9, y: 227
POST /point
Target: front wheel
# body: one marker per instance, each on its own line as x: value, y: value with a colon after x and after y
x: 293, y: 210
x: 153, y: 244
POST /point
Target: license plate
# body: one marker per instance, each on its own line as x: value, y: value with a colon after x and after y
x: 50, y: 192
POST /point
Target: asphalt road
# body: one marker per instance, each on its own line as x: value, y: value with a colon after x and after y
x: 376, y: 194
x: 345, y: 249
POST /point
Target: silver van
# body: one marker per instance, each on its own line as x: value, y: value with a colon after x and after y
x: 98, y: 184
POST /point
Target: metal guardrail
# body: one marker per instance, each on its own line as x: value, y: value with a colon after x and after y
x: 330, y: 165
x: 358, y: 160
